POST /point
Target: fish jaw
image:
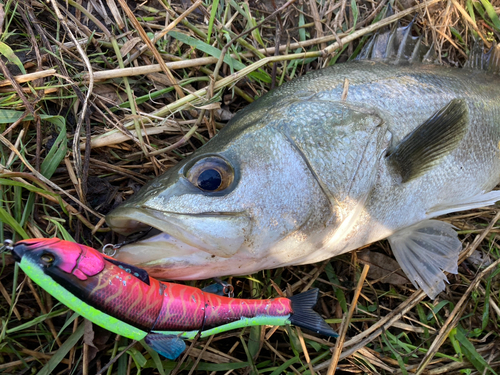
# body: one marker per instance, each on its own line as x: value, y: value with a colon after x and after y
x: 165, y: 257
x: 186, y: 242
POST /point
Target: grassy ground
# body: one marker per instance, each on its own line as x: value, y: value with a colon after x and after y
x: 84, y: 68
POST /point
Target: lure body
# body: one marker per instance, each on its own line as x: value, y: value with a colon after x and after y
x: 126, y: 300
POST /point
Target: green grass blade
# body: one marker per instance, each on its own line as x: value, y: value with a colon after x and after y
x: 470, y: 352
x: 9, y: 54
x: 253, y: 369
x: 37, y: 320
x: 58, y: 149
x: 398, y: 357
x: 455, y: 343
x: 253, y: 23
x: 215, y: 52
x: 8, y: 116
x: 63, y: 350
x: 355, y: 14
x: 470, y: 9
x: 281, y: 369
x: 155, y: 357
x: 254, y: 341
x: 6, y: 218
x: 213, y: 13
x: 492, y: 14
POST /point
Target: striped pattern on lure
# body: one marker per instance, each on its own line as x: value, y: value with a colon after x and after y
x: 126, y: 300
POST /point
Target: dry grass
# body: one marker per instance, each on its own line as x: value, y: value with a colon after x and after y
x: 87, y: 115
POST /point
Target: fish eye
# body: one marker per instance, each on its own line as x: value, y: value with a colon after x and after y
x: 211, y: 174
x: 47, y: 258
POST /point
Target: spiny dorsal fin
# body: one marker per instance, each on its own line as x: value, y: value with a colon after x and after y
x: 424, y: 147
x: 430, y: 56
x: 407, y: 44
x: 478, y: 59
x: 395, y: 47
x: 494, y: 59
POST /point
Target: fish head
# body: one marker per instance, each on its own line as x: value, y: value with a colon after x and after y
x: 222, y: 210
x: 59, y: 258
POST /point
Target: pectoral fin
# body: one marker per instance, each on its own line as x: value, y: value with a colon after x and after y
x: 467, y: 203
x: 169, y: 346
x: 423, y: 148
x: 424, y: 251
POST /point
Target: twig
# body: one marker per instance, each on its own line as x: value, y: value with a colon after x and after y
x: 44, y: 311
x: 386, y: 21
x: 8, y: 299
x: 383, y: 324
x: 152, y: 47
x: 162, y: 33
x: 230, y: 43
x: 115, y: 358
x: 41, y: 177
x: 28, y: 77
x: 467, y: 252
x: 345, y: 322
x: 471, y: 22
x: 193, y: 368
x: 81, y: 168
x: 304, y: 349
x: 317, y: 21
x: 453, y: 318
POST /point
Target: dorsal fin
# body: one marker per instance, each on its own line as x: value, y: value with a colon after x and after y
x: 494, y: 59
x: 396, y: 46
x: 479, y: 59
x: 477, y: 56
x: 407, y: 44
x: 430, y: 55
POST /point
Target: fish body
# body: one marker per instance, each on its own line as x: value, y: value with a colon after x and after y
x: 124, y: 299
x: 327, y: 163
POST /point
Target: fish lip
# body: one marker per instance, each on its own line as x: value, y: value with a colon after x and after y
x: 133, y: 220
x: 136, y: 225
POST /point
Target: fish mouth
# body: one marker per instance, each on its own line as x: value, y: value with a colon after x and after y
x: 180, y: 245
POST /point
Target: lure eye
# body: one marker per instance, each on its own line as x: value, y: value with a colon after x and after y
x: 47, y: 258
x: 211, y: 174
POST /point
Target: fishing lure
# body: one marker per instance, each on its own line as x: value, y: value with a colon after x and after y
x: 126, y: 300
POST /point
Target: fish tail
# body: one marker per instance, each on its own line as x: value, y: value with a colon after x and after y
x: 305, y: 317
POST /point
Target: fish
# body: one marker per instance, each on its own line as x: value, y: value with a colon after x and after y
x: 330, y: 162
x: 125, y: 300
